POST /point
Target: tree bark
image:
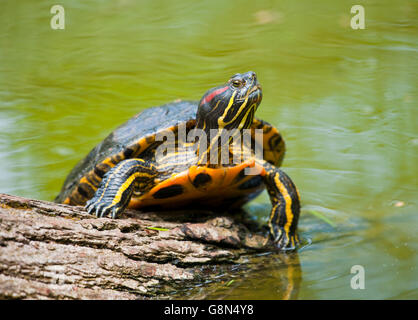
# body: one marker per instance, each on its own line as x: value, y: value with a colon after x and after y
x: 56, y: 251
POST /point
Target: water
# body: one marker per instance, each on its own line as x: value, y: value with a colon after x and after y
x: 345, y: 101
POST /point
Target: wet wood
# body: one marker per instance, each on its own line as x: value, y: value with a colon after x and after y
x: 56, y: 251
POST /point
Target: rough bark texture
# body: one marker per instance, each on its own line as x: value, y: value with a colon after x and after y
x: 55, y: 251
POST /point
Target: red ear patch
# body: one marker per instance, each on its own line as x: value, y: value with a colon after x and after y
x: 213, y: 94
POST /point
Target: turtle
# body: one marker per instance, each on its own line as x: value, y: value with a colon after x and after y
x: 150, y: 162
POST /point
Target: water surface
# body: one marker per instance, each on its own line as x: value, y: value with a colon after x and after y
x: 345, y: 101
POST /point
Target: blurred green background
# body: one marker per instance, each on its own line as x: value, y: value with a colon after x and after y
x: 345, y: 101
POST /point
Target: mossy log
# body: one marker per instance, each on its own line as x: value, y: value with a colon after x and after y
x: 56, y: 251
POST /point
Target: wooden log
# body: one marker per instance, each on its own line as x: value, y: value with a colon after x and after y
x: 56, y: 251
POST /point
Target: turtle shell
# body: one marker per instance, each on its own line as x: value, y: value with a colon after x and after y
x: 130, y: 138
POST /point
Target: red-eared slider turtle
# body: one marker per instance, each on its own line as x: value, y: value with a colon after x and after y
x: 128, y: 169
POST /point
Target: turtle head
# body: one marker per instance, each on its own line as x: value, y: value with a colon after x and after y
x: 231, y: 105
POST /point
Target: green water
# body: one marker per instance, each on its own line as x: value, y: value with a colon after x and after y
x: 345, y: 101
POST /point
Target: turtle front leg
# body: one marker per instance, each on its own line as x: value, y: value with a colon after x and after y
x: 116, y: 188
x: 285, y: 201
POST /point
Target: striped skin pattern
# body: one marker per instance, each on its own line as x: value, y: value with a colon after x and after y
x: 115, y: 193
x: 133, y: 178
x: 285, y: 200
x: 222, y: 108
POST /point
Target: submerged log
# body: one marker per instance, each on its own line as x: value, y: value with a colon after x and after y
x: 56, y: 251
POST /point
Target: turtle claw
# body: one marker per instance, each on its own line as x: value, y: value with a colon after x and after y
x: 89, y: 207
x: 115, y: 212
x: 102, y: 208
x: 286, y: 242
x: 104, y: 211
x: 97, y: 208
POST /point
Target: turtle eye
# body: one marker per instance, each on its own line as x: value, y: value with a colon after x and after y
x: 236, y: 83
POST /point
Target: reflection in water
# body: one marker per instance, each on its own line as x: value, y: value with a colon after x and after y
x: 288, y: 280
x: 267, y: 276
x: 345, y: 101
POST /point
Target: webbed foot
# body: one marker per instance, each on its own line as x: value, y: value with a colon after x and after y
x: 284, y: 240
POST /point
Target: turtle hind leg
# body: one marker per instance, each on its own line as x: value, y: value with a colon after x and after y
x: 116, y: 188
x: 285, y: 211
